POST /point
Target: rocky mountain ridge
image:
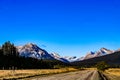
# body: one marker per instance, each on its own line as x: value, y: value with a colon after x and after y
x: 32, y: 50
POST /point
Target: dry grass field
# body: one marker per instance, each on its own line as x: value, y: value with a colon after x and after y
x: 17, y: 74
x: 113, y: 73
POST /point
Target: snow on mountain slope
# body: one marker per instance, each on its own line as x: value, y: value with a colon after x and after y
x: 32, y: 50
x: 64, y: 59
x: 70, y: 59
x: 101, y: 52
x: 106, y: 51
x: 58, y: 57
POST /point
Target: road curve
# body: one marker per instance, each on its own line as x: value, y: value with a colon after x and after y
x: 78, y: 75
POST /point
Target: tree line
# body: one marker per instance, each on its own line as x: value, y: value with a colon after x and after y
x: 10, y: 59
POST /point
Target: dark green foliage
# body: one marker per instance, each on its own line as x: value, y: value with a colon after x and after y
x: 9, y: 49
x: 1, y: 52
x: 7, y: 62
x: 102, y: 66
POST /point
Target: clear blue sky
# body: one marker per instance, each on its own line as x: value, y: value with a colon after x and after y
x: 68, y: 27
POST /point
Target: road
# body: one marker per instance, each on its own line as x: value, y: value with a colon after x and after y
x: 78, y: 75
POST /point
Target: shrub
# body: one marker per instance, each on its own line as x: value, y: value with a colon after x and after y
x: 102, y: 66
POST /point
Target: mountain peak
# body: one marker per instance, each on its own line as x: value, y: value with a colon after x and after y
x: 31, y: 44
x: 32, y: 50
x: 104, y: 50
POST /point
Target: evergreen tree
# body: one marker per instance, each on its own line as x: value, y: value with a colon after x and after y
x: 9, y: 49
x: 1, y: 53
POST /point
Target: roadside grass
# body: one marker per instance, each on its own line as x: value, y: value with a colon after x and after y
x: 90, y: 68
x: 113, y: 73
x: 19, y: 74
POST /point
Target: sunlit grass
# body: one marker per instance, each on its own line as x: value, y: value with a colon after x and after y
x: 90, y: 68
x: 10, y: 74
x: 113, y: 73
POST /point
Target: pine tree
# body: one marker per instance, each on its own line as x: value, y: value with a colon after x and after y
x: 1, y: 53
x: 9, y: 49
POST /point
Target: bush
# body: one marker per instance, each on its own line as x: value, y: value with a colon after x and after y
x: 102, y: 66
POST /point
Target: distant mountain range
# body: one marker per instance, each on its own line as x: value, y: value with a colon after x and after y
x: 101, y: 52
x: 32, y: 50
x: 112, y: 59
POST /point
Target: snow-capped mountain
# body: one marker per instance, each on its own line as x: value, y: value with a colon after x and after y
x: 101, y: 52
x: 32, y: 50
x: 106, y: 51
x: 80, y: 59
x: 70, y: 59
x: 63, y: 59
x: 117, y: 50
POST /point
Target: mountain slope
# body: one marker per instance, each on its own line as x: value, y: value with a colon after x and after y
x: 101, y: 52
x: 58, y: 57
x: 32, y: 50
x: 111, y: 59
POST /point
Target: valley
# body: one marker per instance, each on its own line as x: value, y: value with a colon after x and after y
x: 61, y: 74
x: 30, y: 62
x: 59, y: 40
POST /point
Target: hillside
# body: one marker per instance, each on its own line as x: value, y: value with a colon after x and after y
x: 111, y: 59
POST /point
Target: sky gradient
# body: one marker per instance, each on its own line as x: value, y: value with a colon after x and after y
x: 68, y: 27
